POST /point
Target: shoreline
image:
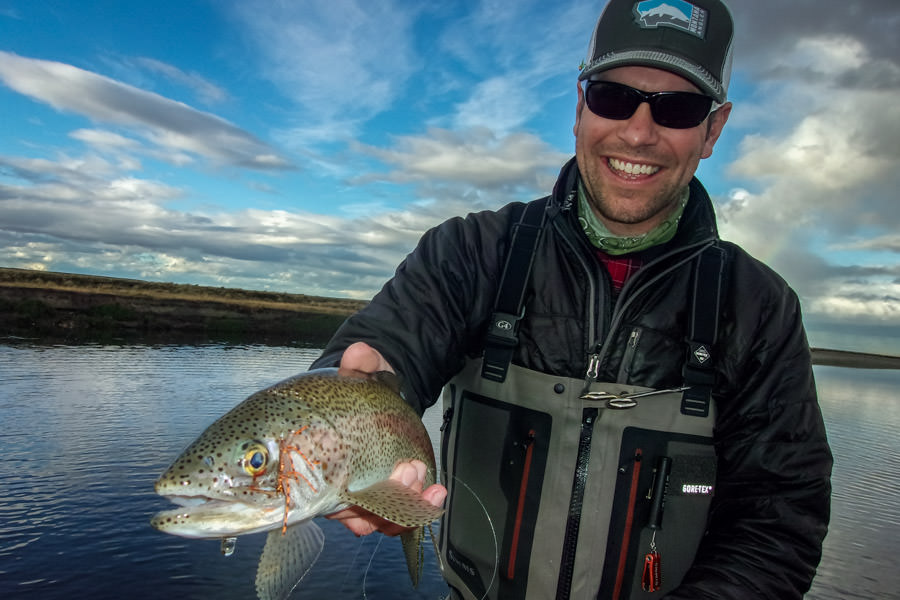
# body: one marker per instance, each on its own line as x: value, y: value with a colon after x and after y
x: 70, y: 308
x: 56, y: 306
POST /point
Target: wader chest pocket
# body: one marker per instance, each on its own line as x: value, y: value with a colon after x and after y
x: 493, y: 505
x: 652, y: 514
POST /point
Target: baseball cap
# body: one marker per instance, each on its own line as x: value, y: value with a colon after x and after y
x: 692, y: 38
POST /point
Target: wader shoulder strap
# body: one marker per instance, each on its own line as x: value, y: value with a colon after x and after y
x: 502, y: 336
x: 698, y: 369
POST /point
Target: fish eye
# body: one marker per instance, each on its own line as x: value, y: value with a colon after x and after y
x: 255, y: 458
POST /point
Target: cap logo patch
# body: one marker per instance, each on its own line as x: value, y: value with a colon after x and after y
x: 678, y: 14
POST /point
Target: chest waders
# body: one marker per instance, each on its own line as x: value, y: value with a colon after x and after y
x: 558, y: 490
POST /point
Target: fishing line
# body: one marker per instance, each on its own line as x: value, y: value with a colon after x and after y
x: 493, y: 535
x: 359, y: 548
x: 369, y: 566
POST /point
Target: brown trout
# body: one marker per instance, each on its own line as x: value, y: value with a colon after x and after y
x: 308, y: 446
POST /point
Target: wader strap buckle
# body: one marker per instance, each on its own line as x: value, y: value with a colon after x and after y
x: 698, y: 371
x: 502, y: 338
x: 503, y: 330
x: 502, y: 335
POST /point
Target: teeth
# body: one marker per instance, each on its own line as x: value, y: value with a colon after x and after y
x: 632, y: 168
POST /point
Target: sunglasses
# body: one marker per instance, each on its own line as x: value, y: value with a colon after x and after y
x: 676, y: 110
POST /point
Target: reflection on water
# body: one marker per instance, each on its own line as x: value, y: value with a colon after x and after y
x: 862, y: 414
x: 85, y: 431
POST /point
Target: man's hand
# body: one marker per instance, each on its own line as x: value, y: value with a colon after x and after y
x: 361, y: 360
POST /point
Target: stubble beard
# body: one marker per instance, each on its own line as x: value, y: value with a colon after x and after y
x: 630, y: 207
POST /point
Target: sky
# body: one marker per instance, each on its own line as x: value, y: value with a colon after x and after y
x: 305, y: 146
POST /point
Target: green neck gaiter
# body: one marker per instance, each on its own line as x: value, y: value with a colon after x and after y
x: 614, y: 245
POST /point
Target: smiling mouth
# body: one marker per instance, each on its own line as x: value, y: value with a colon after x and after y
x: 631, y: 170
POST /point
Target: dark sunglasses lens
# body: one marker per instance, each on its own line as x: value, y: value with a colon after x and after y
x: 611, y: 101
x: 676, y: 110
x: 680, y: 110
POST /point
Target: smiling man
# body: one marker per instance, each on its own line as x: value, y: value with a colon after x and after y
x: 629, y: 404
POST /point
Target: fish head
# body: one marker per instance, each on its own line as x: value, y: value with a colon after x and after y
x: 246, y: 473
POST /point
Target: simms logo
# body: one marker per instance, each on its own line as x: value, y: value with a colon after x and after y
x: 678, y: 14
x: 459, y: 563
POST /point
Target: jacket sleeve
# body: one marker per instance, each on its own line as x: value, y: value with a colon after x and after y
x: 434, y: 311
x: 772, y: 504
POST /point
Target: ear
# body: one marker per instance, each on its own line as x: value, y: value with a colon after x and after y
x: 578, y: 108
x: 717, y: 122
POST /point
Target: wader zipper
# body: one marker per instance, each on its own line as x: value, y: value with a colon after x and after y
x: 629, y: 522
x: 573, y: 523
x: 520, y: 507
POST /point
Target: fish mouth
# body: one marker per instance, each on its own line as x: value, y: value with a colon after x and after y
x: 204, y: 517
x: 192, y: 500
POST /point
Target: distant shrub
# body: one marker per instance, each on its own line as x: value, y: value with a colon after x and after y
x: 112, y: 312
x: 34, y: 310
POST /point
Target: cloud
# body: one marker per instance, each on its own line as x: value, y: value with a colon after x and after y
x: 819, y: 153
x: 476, y: 157
x: 169, y: 125
x: 494, y: 104
x: 767, y: 31
x: 340, y: 63
x: 888, y: 243
x: 82, y: 214
x: 511, y: 73
x: 207, y: 91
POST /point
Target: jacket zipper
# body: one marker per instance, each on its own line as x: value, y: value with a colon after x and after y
x: 627, y: 296
x: 592, y: 275
x: 630, y: 350
x: 573, y: 523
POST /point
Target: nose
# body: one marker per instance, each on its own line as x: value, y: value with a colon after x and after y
x: 640, y: 129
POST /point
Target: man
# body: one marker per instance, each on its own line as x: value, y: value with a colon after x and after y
x: 636, y: 414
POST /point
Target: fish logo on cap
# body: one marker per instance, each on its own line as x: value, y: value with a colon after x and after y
x: 678, y: 14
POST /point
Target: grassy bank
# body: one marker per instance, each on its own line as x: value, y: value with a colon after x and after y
x: 46, y: 305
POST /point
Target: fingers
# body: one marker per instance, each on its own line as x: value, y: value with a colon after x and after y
x: 361, y: 359
x: 411, y: 474
x: 436, y: 494
x: 357, y: 520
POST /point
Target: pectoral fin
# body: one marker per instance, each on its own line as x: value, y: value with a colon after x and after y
x: 395, y: 502
x: 286, y: 558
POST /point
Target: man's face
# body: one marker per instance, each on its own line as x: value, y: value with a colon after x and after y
x: 634, y: 170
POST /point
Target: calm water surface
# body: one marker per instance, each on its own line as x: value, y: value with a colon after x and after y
x: 85, y: 431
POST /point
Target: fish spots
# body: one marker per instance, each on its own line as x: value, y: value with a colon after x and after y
x: 295, y: 445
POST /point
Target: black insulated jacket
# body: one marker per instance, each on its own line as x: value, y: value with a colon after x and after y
x: 770, y: 511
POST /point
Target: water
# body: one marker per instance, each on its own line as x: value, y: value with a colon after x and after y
x: 85, y: 431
